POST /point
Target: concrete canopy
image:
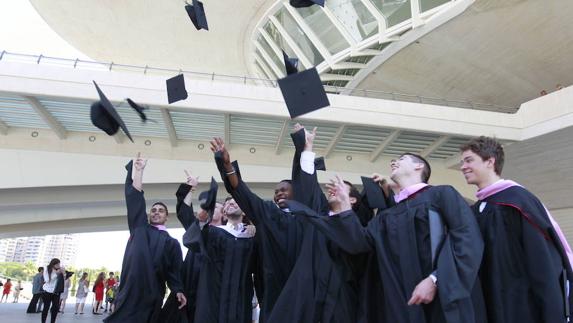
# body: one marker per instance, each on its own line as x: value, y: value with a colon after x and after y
x: 155, y: 33
x: 502, y: 52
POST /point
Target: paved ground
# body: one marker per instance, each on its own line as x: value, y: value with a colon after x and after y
x: 16, y: 313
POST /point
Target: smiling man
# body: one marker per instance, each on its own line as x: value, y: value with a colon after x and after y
x: 526, y: 269
x: 151, y: 257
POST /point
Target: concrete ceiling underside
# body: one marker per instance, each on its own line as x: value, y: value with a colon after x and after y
x: 502, y: 52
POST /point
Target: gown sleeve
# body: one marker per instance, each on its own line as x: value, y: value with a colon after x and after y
x: 173, y: 272
x: 459, y: 259
x: 305, y: 187
x: 185, y: 212
x: 343, y: 229
x: 135, y: 201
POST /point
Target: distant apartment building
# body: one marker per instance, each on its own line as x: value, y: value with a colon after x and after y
x: 40, y: 249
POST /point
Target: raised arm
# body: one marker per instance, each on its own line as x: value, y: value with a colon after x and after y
x: 306, y: 188
x: 184, y: 195
x: 134, y: 199
x: 343, y: 228
x: 249, y: 202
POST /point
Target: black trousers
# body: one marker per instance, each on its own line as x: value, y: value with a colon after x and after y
x: 34, y: 305
x: 50, y: 299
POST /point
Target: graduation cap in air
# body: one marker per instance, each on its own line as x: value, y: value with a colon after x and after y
x: 208, y: 198
x: 139, y: 109
x: 69, y: 274
x: 105, y: 117
x: 291, y: 64
x: 176, y: 89
x: 319, y: 164
x: 303, y: 92
x: 374, y: 193
x: 306, y: 3
x: 197, y: 14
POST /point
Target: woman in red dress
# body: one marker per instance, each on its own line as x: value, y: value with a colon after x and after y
x: 98, y: 290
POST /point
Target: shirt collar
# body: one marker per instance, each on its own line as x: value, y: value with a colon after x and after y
x: 230, y: 226
x: 160, y: 227
x: 405, y: 193
x: 494, y: 188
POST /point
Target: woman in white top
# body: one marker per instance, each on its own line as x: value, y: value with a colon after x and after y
x: 51, y: 295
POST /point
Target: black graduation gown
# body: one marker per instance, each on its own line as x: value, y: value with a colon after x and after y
x: 400, y: 240
x: 280, y: 237
x: 280, y: 243
x: 190, y: 268
x: 151, y: 259
x: 524, y: 262
x: 225, y: 289
x: 334, y: 276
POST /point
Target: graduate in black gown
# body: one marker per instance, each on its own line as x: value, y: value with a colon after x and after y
x: 337, y: 284
x: 281, y: 238
x: 152, y: 258
x: 225, y: 288
x: 527, y: 261
x: 428, y: 248
x: 191, y: 264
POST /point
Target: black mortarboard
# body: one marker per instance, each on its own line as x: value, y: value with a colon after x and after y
x: 319, y: 164
x: 139, y: 109
x: 291, y: 64
x: 197, y: 14
x: 69, y: 274
x: 176, y: 89
x: 374, y: 193
x: 208, y: 198
x: 306, y: 3
x: 303, y: 92
x: 105, y: 117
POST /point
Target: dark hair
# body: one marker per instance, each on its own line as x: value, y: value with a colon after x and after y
x: 162, y: 204
x: 111, y: 273
x: 227, y: 199
x: 355, y: 194
x: 40, y: 269
x: 51, y: 265
x: 427, y: 171
x: 486, y: 148
x: 99, y: 278
x: 286, y: 181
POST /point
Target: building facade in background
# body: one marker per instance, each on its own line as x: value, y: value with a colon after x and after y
x: 40, y: 249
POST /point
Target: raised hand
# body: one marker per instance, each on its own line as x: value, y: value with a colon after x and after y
x: 377, y: 178
x: 308, y: 136
x: 218, y: 145
x: 339, y: 193
x: 191, y: 180
x: 139, y: 163
x: 137, y: 172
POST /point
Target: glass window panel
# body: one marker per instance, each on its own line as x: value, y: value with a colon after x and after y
x: 264, y: 64
x: 280, y: 41
x: 323, y: 28
x: 395, y: 11
x: 269, y: 50
x: 355, y: 18
x: 426, y: 5
x: 300, y: 38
